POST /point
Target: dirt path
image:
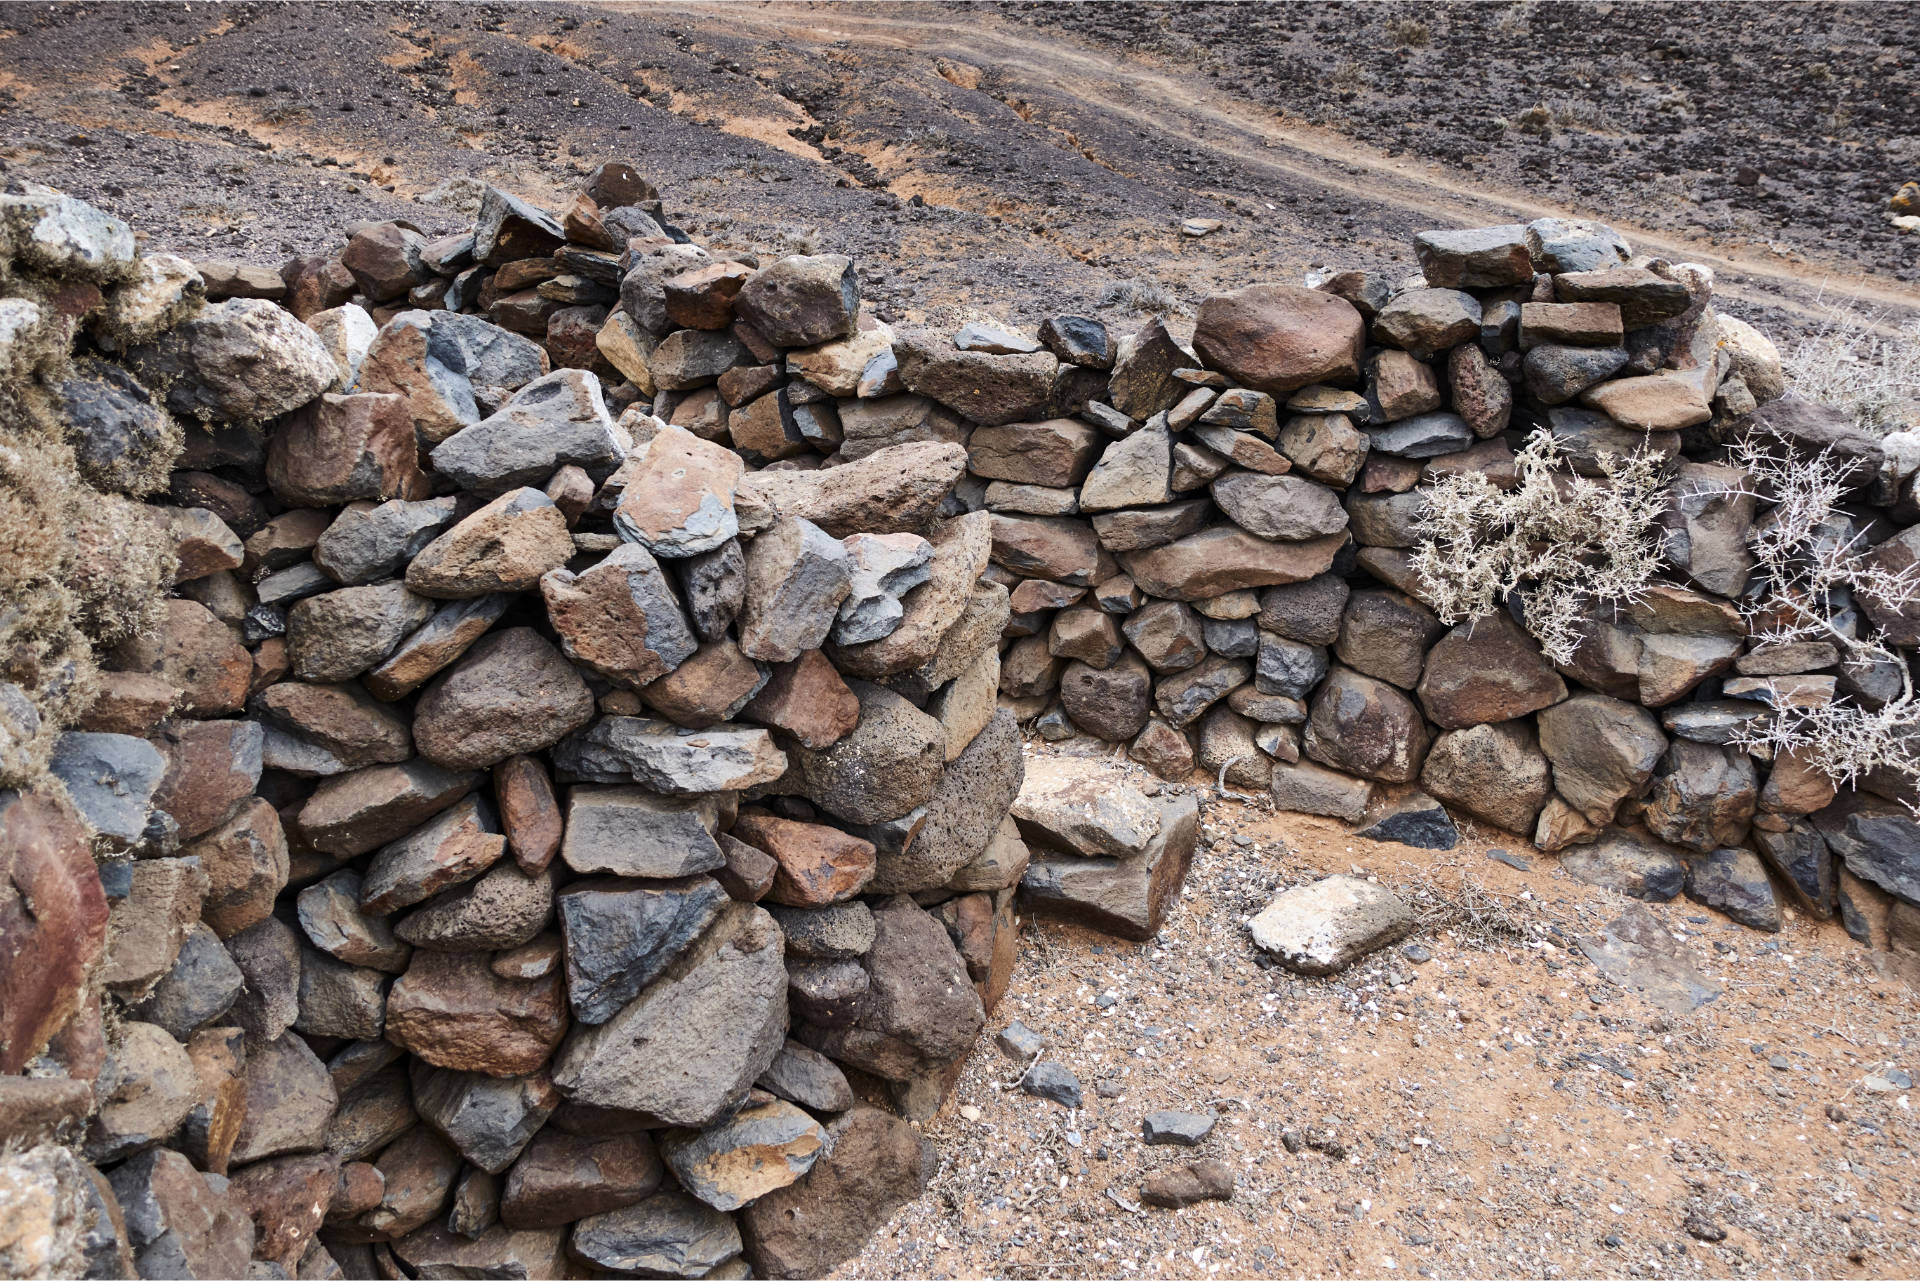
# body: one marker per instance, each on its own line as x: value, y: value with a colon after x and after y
x: 1486, y: 1104
x: 1137, y: 91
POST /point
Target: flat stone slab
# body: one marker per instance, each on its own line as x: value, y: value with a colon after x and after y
x: 1324, y: 927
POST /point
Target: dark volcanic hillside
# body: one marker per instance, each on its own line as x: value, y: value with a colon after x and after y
x: 973, y: 159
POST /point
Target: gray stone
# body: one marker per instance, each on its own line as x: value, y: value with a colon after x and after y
x: 714, y: 587
x: 338, y: 1000
x: 668, y: 1234
x: 1475, y: 258
x: 689, y: 1046
x: 621, y: 935
x: 1133, y: 472
x: 888, y: 765
x: 883, y: 568
x: 111, y: 780
x: 330, y: 916
x: 669, y: 759
x: 1703, y: 796
x: 620, y: 618
x: 201, y: 987
x: 1563, y: 245
x: 340, y: 634
x: 555, y: 420
x: 1051, y: 1081
x: 1422, y: 436
x: 1325, y: 926
x: 1286, y: 508
x: 807, y: 1077
x: 1632, y: 864
x: 1428, y: 321
x: 489, y: 1119
x: 965, y: 807
x: 1386, y: 635
x: 1305, y: 788
x: 634, y: 831
x: 511, y: 693
x: 797, y: 576
x: 1175, y: 1128
x: 1184, y: 696
x: 1308, y: 612
x: 1878, y: 841
x: 1555, y: 374
x: 1801, y: 857
x: 1494, y: 772
x: 1603, y: 750
x: 243, y: 361
x: 801, y: 301
x: 369, y: 541
x: 1129, y: 895
x: 1327, y: 447
x: 1735, y: 881
x: 119, y: 436
x: 502, y: 909
x: 1366, y: 727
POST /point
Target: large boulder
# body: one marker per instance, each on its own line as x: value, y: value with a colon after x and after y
x: 245, y: 361
x: 1366, y: 727
x: 1275, y: 338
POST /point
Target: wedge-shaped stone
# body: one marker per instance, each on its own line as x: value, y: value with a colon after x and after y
x: 668, y: 759
x: 552, y: 421
x: 692, y: 1043
x: 761, y: 1147
x: 1224, y: 559
x: 504, y: 547
x: 634, y: 831
x: 620, y: 618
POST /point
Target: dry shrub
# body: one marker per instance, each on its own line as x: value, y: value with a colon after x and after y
x: 1855, y: 362
x: 1563, y: 545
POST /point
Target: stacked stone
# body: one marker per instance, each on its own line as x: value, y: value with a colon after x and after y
x: 1208, y: 551
x: 530, y: 839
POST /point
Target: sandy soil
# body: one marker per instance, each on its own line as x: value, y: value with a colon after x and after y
x: 1501, y: 1109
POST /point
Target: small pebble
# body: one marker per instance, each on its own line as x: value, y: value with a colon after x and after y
x: 1417, y: 953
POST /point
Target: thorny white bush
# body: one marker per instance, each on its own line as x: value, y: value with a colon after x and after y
x: 1564, y: 545
x: 1848, y: 362
x: 1808, y: 562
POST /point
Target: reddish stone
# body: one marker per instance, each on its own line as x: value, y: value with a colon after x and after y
x: 529, y: 811
x: 212, y: 766
x: 194, y: 652
x: 128, y: 703
x: 287, y: 1199
x: 703, y: 298
x: 352, y: 814
x: 708, y: 688
x: 53, y: 923
x: 808, y: 699
x: 151, y: 922
x: 818, y: 864
x: 452, y: 1010
x: 246, y: 863
x: 271, y: 663
x: 340, y: 448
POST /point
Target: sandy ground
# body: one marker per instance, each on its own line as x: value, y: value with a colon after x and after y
x: 1500, y: 1109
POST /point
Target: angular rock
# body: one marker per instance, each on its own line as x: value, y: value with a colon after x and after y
x: 443, y: 638
x: 455, y: 847
x: 504, y: 547
x: 553, y: 421
x: 1484, y: 671
x: 1054, y: 452
x: 1280, y: 508
x: 620, y: 618
x: 1627, y: 862
x: 564, y: 1177
x: 1111, y: 703
x: 679, y: 494
x: 889, y: 764
x: 1494, y: 772
x: 1306, y: 788
x: 807, y: 1077
x: 328, y: 729
x: 797, y: 577
x: 111, y: 780
x: 818, y: 864
x: 453, y: 1011
x: 1129, y: 895
x: 489, y: 1119
x: 195, y: 653
x: 693, y: 1041
x: 342, y: 448
x: 340, y: 634
x: 145, y: 1090
x: 962, y: 812
x: 873, y: 1164
x: 1603, y: 751
x: 332, y: 920
x: 1703, y: 796
x: 353, y: 814
x: 1427, y: 322
x: 762, y: 1147
x: 368, y: 542
x: 920, y: 1011
x: 668, y: 1234
x: 1132, y: 472
x: 511, y: 693
x: 178, y: 1222
x: 504, y: 908
x: 668, y: 759
x: 1325, y: 926
x: 1223, y: 559
x: 244, y: 361
x: 801, y: 301
x: 290, y: 1100
x: 1384, y: 634
x: 1735, y: 881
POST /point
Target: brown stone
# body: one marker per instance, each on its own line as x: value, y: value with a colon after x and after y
x: 148, y: 926
x: 1484, y: 671
x: 340, y: 448
x: 873, y: 1164
x: 1366, y: 727
x: 708, y: 688
x: 1480, y: 395
x: 1088, y: 635
x: 703, y: 298
x: 338, y: 635
x: 452, y: 1010
x: 338, y: 728
x: 961, y: 547
x: 287, y: 1198
x: 892, y: 491
x: 417, y: 1172
x: 529, y: 811
x: 808, y: 699
x: 748, y: 874
x: 1224, y: 559
x: 196, y: 654
x: 679, y: 493
x: 353, y: 814
x: 513, y: 692
x: 1403, y: 385
x: 818, y: 864
x: 53, y: 922
x: 246, y: 863
x: 564, y: 1177
x: 1180, y: 1186
x: 128, y: 703
x: 454, y: 847
x: 290, y: 1100
x: 1055, y: 452
x: 504, y: 547
x: 1575, y: 324
x: 441, y: 640
x: 179, y: 1223
x: 1275, y: 338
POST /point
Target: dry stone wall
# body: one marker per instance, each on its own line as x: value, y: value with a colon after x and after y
x: 515, y: 740
x: 516, y: 833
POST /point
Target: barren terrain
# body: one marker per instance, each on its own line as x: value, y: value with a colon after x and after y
x: 1499, y: 1108
x: 1502, y: 1108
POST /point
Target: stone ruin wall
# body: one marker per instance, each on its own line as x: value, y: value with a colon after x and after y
x: 517, y: 739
